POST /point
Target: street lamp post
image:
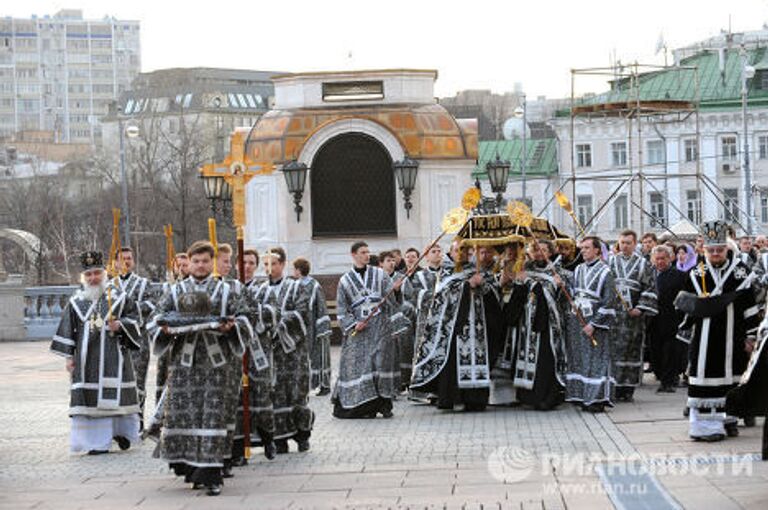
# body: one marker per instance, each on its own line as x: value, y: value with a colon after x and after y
x: 405, y: 173
x: 498, y: 176
x: 226, y: 180
x: 124, y: 186
x: 295, y: 174
x: 522, y: 111
x: 747, y: 72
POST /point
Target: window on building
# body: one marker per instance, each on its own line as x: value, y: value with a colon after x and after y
x: 101, y: 59
x: 728, y: 148
x: 620, y: 213
x: 731, y: 202
x: 28, y: 105
x: 26, y: 72
x: 28, y: 88
x: 103, y: 88
x: 655, y: 152
x: 658, y: 209
x: 583, y: 155
x: 78, y: 72
x: 762, y: 145
x: 26, y: 43
x: 691, y: 148
x: 693, y: 206
x: 584, y: 208
x: 77, y: 44
x: 103, y: 44
x: 619, y: 154
x: 764, y: 206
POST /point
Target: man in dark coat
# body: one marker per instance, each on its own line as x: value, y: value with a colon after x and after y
x: 668, y: 354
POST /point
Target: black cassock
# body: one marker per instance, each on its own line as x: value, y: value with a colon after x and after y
x: 716, y: 353
x: 451, y: 358
x: 533, y: 309
x: 668, y: 353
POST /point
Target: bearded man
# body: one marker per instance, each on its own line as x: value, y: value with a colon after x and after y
x: 98, y: 329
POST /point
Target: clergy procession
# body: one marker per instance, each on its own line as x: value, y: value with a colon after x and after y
x: 501, y: 309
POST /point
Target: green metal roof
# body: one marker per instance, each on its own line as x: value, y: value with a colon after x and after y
x: 716, y: 90
x: 541, y: 155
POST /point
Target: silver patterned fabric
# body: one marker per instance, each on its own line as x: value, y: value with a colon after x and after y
x: 366, y: 365
x: 425, y: 284
x: 290, y: 356
x: 540, y: 328
x: 103, y: 383
x: 137, y: 288
x: 451, y: 327
x: 636, y: 289
x: 318, y: 333
x: 403, y: 321
x: 204, y: 375
x: 263, y: 318
x: 589, y: 379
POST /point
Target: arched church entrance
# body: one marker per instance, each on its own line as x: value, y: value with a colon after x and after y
x: 352, y: 188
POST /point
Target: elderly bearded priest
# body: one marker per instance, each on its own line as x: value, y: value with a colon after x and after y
x: 97, y: 328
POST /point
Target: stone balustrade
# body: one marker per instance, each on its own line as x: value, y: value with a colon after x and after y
x: 42, y: 309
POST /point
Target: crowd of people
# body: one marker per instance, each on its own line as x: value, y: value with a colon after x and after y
x: 522, y: 322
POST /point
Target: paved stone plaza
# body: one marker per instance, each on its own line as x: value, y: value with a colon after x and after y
x: 422, y: 458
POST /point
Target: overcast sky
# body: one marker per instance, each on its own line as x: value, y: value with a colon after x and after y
x: 472, y: 43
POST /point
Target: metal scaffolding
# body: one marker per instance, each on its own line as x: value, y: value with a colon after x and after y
x: 639, y: 110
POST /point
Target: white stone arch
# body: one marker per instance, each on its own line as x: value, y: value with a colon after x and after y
x: 353, y: 125
x: 30, y: 243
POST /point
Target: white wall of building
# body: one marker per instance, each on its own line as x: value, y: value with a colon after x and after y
x: 714, y: 129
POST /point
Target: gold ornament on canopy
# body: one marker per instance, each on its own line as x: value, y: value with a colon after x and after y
x: 470, y: 199
x: 454, y: 220
x: 520, y: 214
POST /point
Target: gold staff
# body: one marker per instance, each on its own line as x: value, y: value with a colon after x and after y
x: 113, y: 269
x: 212, y: 238
x: 451, y: 224
x: 170, y: 253
x: 563, y: 202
